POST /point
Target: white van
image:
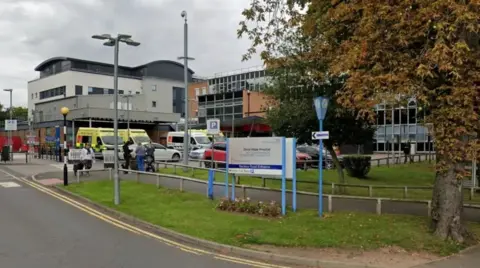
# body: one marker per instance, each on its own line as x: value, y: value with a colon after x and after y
x: 197, y: 140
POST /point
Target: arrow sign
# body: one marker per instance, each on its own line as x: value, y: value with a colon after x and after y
x: 320, y: 135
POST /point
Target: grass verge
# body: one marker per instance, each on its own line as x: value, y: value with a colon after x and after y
x: 195, y: 215
x: 416, y: 174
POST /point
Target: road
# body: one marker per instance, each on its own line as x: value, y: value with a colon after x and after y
x: 38, y: 230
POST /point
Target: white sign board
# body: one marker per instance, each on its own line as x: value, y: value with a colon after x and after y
x: 213, y: 126
x: 11, y: 124
x: 291, y: 158
x: 320, y: 135
x: 255, y: 156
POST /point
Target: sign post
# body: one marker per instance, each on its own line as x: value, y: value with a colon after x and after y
x: 213, y: 128
x: 321, y: 105
x: 264, y: 156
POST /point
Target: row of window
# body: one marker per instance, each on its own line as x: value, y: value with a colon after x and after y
x: 100, y: 91
x: 237, y: 77
x: 53, y: 92
x: 224, y: 110
x: 400, y: 116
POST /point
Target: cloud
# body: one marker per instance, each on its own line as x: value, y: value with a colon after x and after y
x: 34, y: 30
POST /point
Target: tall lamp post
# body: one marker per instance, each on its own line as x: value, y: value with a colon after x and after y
x: 321, y: 105
x: 185, y: 58
x: 248, y: 103
x: 128, y: 112
x: 115, y: 42
x: 10, y: 143
x: 64, y: 111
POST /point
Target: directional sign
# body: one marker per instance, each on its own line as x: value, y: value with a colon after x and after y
x: 11, y: 125
x: 320, y: 135
x: 213, y: 126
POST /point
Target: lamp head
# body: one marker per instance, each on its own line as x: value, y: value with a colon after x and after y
x: 64, y: 111
x: 184, y: 14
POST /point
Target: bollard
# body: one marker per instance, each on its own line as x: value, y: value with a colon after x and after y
x: 263, y: 182
x: 78, y: 177
x: 370, y: 190
x: 405, y: 192
x: 330, y: 205
x: 158, y: 181
x: 157, y: 167
x: 175, y: 169
x: 181, y: 184
x: 26, y: 157
x: 333, y: 188
x: 110, y: 173
x: 379, y: 206
x: 472, y: 193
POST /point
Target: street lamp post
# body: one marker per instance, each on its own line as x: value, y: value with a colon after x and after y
x: 186, y: 139
x: 128, y: 112
x: 248, y: 103
x: 64, y: 111
x: 115, y: 42
x: 10, y: 143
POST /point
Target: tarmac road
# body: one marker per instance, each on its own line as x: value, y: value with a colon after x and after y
x: 37, y: 230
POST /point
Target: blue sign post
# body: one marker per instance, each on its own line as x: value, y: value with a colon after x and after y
x: 211, y: 176
x: 321, y: 105
x: 57, y: 143
x: 294, y: 174
x: 284, y: 176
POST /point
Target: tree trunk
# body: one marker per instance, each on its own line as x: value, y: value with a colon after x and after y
x: 447, y: 206
x: 338, y: 167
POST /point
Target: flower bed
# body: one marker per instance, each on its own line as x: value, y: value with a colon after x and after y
x: 241, y: 205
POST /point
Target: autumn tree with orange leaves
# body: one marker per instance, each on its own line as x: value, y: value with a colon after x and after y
x: 392, y: 51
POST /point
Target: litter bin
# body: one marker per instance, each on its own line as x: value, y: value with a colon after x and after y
x: 6, y: 153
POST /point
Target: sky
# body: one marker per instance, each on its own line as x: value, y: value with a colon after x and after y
x: 32, y: 31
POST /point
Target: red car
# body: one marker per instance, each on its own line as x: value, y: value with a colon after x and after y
x: 219, y: 154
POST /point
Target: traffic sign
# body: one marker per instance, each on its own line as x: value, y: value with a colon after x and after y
x: 11, y: 125
x: 213, y: 126
x: 320, y: 135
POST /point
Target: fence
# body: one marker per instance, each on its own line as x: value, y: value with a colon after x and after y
x: 405, y: 190
x: 378, y: 205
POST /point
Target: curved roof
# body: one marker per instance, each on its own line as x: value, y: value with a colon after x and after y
x: 52, y: 60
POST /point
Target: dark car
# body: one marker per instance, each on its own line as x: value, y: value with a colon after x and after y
x: 315, y: 155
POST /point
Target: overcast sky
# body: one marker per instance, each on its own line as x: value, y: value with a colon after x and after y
x: 34, y: 30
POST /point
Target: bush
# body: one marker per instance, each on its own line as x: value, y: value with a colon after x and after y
x: 357, y: 166
x: 271, y: 209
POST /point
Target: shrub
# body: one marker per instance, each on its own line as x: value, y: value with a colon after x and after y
x: 357, y: 166
x: 271, y: 209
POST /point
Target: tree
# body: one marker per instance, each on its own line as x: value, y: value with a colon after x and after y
x: 393, y: 50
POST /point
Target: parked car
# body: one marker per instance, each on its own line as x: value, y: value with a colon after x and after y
x: 304, y: 161
x: 162, y: 153
x: 313, y: 152
x: 197, y: 153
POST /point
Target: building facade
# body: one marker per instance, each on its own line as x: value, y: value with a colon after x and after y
x: 159, y: 84
x: 401, y: 125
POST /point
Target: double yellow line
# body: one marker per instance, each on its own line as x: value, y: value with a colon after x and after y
x: 139, y: 231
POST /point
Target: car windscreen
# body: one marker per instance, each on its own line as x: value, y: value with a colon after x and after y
x: 202, y: 139
x: 218, y: 138
x: 141, y: 139
x: 110, y: 140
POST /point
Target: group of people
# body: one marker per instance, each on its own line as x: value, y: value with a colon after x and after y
x: 143, y: 154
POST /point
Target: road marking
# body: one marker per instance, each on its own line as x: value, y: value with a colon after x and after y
x: 133, y: 229
x: 9, y: 184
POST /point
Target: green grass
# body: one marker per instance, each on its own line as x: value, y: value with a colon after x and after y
x: 195, y: 215
x: 416, y: 174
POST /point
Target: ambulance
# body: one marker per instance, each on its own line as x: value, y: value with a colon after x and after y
x: 100, y: 139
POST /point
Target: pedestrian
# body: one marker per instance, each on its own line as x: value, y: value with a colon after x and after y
x: 150, y: 157
x: 406, y: 152
x: 140, y: 153
x: 127, y: 154
x: 87, y: 156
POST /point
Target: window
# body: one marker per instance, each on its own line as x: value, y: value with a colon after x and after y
x: 158, y: 146
x: 130, y: 92
x: 192, y: 141
x: 204, y: 90
x: 154, y: 104
x: 120, y: 92
x: 32, y: 96
x: 49, y: 93
x: 177, y: 139
x: 36, y: 95
x: 220, y: 146
x: 137, y: 92
x: 78, y: 90
x: 154, y: 87
x: 96, y: 91
x: 197, y: 91
x: 111, y: 91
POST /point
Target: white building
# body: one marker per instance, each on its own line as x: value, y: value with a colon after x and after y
x: 157, y: 86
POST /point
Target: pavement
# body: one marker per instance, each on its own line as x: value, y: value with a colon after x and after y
x: 40, y: 231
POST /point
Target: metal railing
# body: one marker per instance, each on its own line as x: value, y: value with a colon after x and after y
x: 335, y: 187
x: 244, y: 191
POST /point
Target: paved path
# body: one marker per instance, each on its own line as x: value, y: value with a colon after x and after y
x: 40, y: 231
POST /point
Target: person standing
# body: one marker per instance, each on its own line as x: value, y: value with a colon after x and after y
x: 87, y: 156
x: 140, y: 154
x: 127, y: 154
